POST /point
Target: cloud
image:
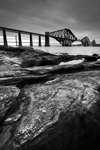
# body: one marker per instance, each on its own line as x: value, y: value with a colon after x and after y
x: 82, y: 17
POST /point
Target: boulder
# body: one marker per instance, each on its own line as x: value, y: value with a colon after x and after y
x: 63, y: 113
x: 91, y: 58
x: 96, y: 55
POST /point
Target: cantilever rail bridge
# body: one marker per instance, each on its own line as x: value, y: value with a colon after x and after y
x: 64, y: 36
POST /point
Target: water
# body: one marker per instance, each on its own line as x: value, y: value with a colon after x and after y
x: 71, y: 50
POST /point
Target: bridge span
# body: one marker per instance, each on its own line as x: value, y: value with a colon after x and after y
x: 19, y: 32
x: 64, y: 36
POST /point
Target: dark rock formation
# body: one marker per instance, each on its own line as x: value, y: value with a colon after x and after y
x: 28, y: 57
x: 95, y: 55
x: 48, y: 107
x: 63, y: 113
x: 91, y: 58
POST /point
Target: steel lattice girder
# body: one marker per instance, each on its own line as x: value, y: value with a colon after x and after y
x: 63, y: 35
x: 64, y: 41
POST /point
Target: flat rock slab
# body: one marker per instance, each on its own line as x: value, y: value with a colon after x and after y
x: 63, y: 113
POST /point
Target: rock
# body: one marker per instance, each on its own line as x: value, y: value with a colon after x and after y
x: 12, y: 51
x: 63, y: 113
x: 48, y: 107
x: 24, y: 80
x: 6, y: 59
x: 11, y: 75
x: 98, y: 61
x: 32, y: 57
x: 8, y: 95
x: 28, y: 57
x: 66, y: 57
x: 95, y: 55
x: 91, y: 58
x: 72, y: 62
x: 12, y: 71
x: 9, y: 66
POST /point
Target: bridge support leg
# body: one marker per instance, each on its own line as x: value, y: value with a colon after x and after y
x: 31, y: 41
x: 19, y: 38
x: 39, y: 40
x: 5, y: 38
x: 47, y: 43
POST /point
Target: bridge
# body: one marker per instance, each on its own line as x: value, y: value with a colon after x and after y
x: 64, y: 36
x: 19, y: 32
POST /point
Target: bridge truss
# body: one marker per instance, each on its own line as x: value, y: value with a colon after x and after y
x: 64, y: 36
x: 85, y: 41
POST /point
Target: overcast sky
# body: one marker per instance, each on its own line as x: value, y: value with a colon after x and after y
x: 81, y: 16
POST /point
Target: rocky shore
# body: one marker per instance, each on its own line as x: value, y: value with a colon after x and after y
x: 48, y: 105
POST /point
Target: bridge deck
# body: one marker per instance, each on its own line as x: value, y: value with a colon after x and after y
x: 24, y: 32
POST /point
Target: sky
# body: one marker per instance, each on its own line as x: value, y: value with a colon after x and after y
x: 82, y: 17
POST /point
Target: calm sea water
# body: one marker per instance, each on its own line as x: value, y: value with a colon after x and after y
x: 71, y: 50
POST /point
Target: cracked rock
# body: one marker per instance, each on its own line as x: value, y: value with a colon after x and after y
x: 62, y: 113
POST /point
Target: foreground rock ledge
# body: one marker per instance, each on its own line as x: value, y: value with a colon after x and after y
x: 63, y: 113
x: 48, y: 106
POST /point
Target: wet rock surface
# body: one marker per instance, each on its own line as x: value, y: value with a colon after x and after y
x: 8, y: 95
x: 48, y: 107
x: 61, y: 113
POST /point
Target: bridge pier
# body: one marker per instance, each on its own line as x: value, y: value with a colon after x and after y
x: 47, y: 42
x: 31, y: 41
x: 19, y: 38
x: 39, y: 40
x: 5, y: 38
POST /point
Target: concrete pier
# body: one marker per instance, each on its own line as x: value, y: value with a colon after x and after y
x: 39, y: 40
x: 5, y: 38
x: 19, y: 38
x: 31, y: 40
x: 47, y: 42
